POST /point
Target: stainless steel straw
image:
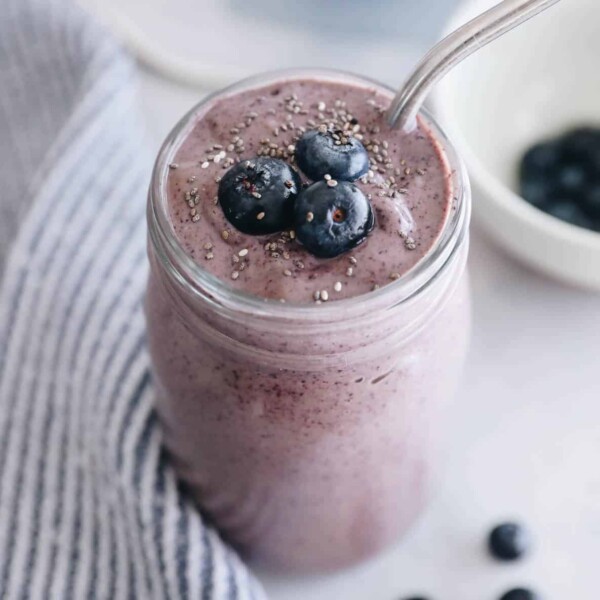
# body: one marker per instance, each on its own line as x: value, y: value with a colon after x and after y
x: 453, y: 49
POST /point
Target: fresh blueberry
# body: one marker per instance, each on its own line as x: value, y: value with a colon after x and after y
x: 572, y: 179
x: 508, y: 541
x: 581, y: 143
x: 568, y: 211
x: 535, y: 176
x: 257, y: 196
x: 334, y: 152
x: 332, y: 217
x: 591, y: 201
x: 540, y: 158
x: 582, y: 146
x: 519, y: 594
x: 535, y: 191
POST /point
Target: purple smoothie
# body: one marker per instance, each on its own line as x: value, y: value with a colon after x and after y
x: 306, y: 431
x: 408, y: 186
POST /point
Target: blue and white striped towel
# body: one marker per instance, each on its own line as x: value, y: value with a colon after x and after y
x: 89, y: 506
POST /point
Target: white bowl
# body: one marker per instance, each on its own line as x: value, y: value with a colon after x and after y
x: 535, y: 82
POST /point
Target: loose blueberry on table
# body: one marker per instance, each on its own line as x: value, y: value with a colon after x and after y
x: 257, y: 196
x: 562, y: 177
x: 509, y: 541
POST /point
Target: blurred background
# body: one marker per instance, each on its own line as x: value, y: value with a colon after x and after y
x: 220, y: 41
x: 189, y: 47
x: 526, y: 429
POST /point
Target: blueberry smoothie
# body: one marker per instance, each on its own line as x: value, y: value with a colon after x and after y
x: 307, y: 313
x: 404, y: 178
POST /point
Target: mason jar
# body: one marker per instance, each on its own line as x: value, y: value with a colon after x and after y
x: 309, y: 434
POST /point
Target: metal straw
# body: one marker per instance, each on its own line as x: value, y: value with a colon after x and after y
x: 453, y: 49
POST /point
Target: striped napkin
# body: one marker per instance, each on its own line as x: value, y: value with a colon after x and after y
x: 89, y: 505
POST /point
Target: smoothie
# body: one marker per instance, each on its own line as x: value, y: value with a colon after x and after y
x: 408, y: 186
x: 301, y: 396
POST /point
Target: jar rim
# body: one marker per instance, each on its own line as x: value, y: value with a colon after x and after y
x: 219, y: 292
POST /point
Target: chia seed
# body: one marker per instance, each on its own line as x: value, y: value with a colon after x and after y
x: 410, y: 243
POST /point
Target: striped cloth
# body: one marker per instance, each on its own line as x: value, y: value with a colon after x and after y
x: 89, y: 506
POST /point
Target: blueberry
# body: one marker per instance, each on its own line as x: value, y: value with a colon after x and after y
x: 590, y: 202
x: 581, y: 143
x: 331, y: 218
x: 333, y: 152
x: 569, y: 212
x: 535, y: 191
x: 583, y: 147
x: 508, y: 541
x: 535, y: 175
x: 540, y: 158
x: 257, y: 196
x: 519, y: 594
x: 572, y: 179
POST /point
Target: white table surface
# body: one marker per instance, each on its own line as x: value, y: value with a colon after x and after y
x: 526, y: 437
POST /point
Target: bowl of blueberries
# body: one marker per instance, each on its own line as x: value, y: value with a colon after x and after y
x: 524, y: 112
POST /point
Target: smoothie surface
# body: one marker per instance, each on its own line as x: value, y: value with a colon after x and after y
x: 409, y: 186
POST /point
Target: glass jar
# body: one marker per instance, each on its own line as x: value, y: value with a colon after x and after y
x: 307, y: 433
